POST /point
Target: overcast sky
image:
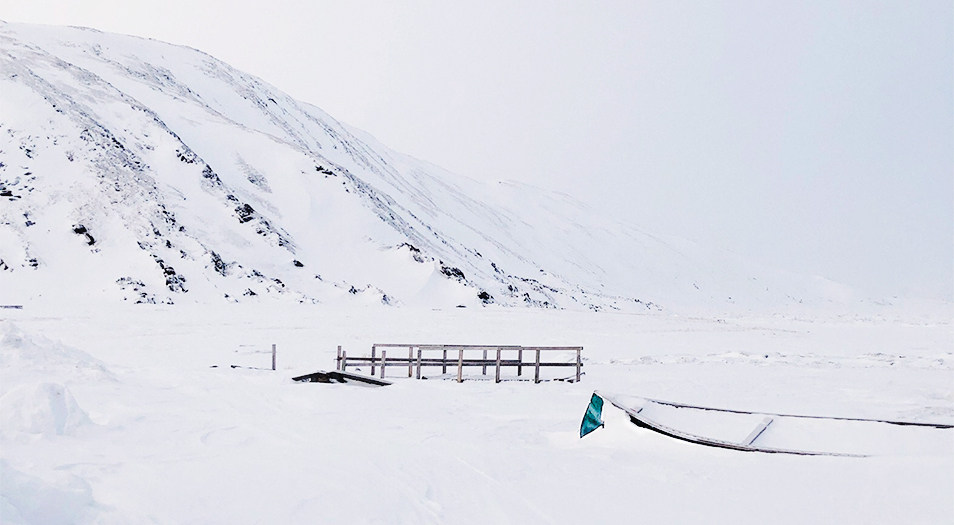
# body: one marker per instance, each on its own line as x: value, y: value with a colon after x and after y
x: 813, y: 136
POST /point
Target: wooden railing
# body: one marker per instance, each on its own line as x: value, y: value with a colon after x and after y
x: 453, y: 356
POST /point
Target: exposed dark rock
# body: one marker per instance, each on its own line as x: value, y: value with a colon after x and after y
x: 174, y: 281
x: 207, y: 173
x: 298, y: 263
x: 245, y: 213
x: 186, y: 156
x: 219, y: 264
x: 453, y: 273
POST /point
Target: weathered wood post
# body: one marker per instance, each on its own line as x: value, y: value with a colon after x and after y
x: 536, y: 368
x: 373, y: 349
x: 418, y: 362
x: 444, y: 363
x: 497, y: 378
x: 579, y: 363
x: 384, y: 361
x: 273, y: 357
x: 460, y: 366
x: 410, y: 361
x: 484, y: 372
x: 520, y: 361
x: 338, y: 360
x: 344, y: 360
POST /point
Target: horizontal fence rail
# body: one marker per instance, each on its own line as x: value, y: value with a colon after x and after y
x: 453, y: 356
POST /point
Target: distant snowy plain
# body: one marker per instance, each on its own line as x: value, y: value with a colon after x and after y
x: 139, y: 172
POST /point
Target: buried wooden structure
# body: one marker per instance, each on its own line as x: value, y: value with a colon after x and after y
x: 338, y: 376
x: 461, y: 356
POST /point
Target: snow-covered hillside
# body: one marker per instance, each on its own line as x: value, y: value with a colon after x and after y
x: 142, y: 171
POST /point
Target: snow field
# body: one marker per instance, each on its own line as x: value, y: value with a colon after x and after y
x: 157, y: 435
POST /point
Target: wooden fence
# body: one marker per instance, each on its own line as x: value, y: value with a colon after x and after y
x: 453, y: 356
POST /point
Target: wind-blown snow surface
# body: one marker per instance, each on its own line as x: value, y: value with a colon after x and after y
x: 138, y: 170
x: 117, y: 417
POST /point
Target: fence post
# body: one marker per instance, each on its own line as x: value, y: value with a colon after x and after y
x: 338, y: 360
x: 373, y: 348
x: 520, y: 361
x: 536, y: 368
x: 384, y: 361
x: 273, y: 357
x: 444, y: 363
x: 410, y: 361
x: 497, y: 378
x: 344, y: 360
x: 418, y: 362
x: 579, y: 363
x: 460, y: 366
x: 484, y: 372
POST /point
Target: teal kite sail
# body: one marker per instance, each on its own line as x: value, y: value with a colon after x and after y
x: 592, y: 419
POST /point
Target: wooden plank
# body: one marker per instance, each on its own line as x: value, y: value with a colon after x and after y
x: 418, y: 363
x: 579, y: 363
x: 344, y: 360
x: 758, y: 431
x: 536, y: 368
x: 373, y: 349
x: 338, y: 360
x: 484, y: 371
x: 273, y: 357
x: 444, y: 363
x: 410, y: 363
x: 430, y: 361
x: 339, y: 377
x: 460, y: 366
x: 384, y: 361
x: 497, y: 378
x: 520, y: 358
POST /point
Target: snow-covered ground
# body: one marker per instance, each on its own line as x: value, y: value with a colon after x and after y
x: 137, y: 171
x: 114, y: 414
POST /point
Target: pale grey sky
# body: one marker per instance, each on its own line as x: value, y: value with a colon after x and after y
x: 814, y: 136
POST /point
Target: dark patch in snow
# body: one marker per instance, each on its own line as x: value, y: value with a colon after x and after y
x: 174, y: 281
x: 211, y: 176
x: 188, y: 157
x: 453, y: 273
x: 245, y: 213
x: 137, y: 287
x: 219, y: 264
x: 79, y: 229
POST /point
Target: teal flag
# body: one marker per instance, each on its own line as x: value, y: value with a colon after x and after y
x: 591, y: 420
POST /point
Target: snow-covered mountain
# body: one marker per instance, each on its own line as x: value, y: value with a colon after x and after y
x: 142, y: 171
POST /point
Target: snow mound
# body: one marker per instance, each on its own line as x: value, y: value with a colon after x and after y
x: 25, y: 357
x: 44, y: 408
x: 26, y: 499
